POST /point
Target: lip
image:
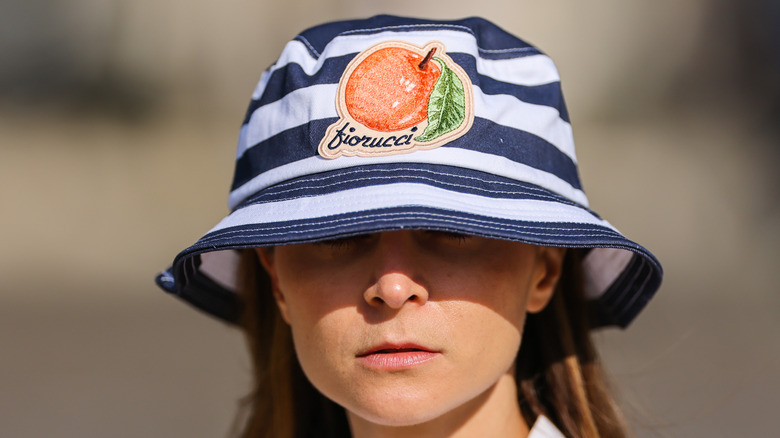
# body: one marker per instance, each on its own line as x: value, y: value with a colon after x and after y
x: 390, y: 356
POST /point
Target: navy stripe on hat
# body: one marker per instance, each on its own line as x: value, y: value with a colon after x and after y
x: 294, y: 144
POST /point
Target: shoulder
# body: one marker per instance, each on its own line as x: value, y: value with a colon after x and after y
x: 544, y: 428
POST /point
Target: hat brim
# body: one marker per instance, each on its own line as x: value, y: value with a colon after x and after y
x: 620, y: 277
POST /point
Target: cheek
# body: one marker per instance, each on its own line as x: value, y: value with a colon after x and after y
x: 318, y: 322
x: 325, y: 348
x: 500, y: 291
x: 487, y: 338
x: 309, y: 291
x: 323, y: 322
x: 489, y: 311
x: 321, y: 306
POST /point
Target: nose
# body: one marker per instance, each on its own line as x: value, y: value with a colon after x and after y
x: 395, y: 268
x: 394, y: 289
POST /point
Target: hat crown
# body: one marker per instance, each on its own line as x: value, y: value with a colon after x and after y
x: 515, y: 122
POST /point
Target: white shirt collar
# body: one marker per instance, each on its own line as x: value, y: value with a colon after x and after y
x: 544, y: 428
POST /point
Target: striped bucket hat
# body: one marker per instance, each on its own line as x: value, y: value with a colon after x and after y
x: 391, y: 123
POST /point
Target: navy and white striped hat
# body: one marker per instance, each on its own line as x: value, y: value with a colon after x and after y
x: 386, y: 123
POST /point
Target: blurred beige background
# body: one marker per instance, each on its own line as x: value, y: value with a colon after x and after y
x: 118, y: 121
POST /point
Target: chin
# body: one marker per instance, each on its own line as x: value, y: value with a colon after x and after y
x: 405, y: 416
x: 399, y: 408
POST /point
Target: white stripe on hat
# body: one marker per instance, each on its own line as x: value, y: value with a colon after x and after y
x: 318, y: 102
x: 295, y: 109
x: 540, y: 120
x: 526, y: 71
x: 489, y: 163
x: 408, y: 194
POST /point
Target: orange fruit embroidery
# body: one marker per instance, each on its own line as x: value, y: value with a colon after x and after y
x: 390, y: 89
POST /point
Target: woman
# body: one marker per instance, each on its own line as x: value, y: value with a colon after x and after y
x: 410, y: 251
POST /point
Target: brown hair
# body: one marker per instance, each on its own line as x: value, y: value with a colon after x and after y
x: 558, y: 373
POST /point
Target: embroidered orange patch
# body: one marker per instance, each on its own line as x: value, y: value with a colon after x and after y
x: 395, y: 98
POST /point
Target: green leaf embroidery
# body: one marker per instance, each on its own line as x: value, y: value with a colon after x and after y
x: 446, y: 106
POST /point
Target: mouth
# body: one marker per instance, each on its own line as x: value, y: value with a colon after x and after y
x: 396, y: 350
x: 391, y: 348
x: 396, y: 357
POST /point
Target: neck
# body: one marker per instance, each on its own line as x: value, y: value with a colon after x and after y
x: 493, y: 413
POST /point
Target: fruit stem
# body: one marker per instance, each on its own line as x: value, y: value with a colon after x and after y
x: 427, y: 59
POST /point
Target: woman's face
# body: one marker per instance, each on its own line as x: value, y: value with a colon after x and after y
x: 402, y: 327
